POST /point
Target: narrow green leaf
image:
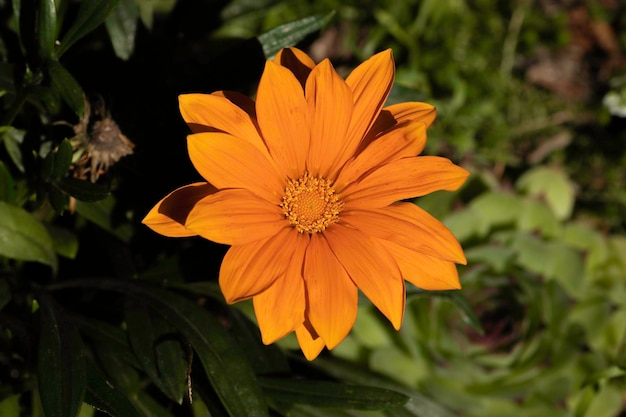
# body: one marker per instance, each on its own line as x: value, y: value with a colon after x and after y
x: 64, y: 241
x: 90, y: 15
x: 62, y: 160
x: 7, y: 187
x: 264, y: 359
x: 12, y: 138
x: 161, y: 358
x: 46, y: 166
x: 291, y: 33
x: 418, y: 405
x: 105, y: 397
x: 149, y: 407
x: 46, y: 28
x: 67, y: 87
x: 83, y: 190
x: 122, y: 25
x: 331, y: 394
x: 10, y: 406
x: 61, y: 366
x: 172, y: 365
x: 224, y: 362
x: 58, y: 199
x: 100, y: 212
x: 24, y: 237
x: 112, y: 338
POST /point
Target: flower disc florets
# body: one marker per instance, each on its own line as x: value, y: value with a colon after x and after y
x: 311, y: 203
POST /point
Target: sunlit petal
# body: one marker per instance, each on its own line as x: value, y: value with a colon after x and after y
x: 169, y: 215
x: 370, y: 83
x: 235, y: 217
x: 371, y: 268
x: 230, y: 162
x: 426, y: 272
x: 408, y: 225
x: 282, y: 113
x: 332, y: 301
x: 216, y: 112
x: 402, y: 179
x: 297, y: 62
x: 330, y: 106
x: 247, y: 270
x: 280, y: 308
x: 310, y: 343
x: 408, y: 139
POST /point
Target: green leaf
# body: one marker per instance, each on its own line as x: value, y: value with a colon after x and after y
x: 122, y: 25
x: 496, y: 209
x: 58, y: 199
x: 100, y: 212
x: 497, y: 257
x: 24, y: 237
x: 62, y: 160
x: 83, y: 190
x: 222, y: 359
x: 111, y: 338
x: 553, y: 186
x: 90, y: 15
x: 162, y: 358
x: 62, y: 379
x: 46, y: 28
x: 331, y: 394
x: 67, y: 87
x: 64, y: 241
x: 467, y: 312
x: 105, y: 397
x: 291, y: 33
x: 418, y: 405
x: 7, y: 187
x: 10, y: 406
x: 537, y: 217
x: 606, y: 403
x: 264, y: 359
x: 12, y: 138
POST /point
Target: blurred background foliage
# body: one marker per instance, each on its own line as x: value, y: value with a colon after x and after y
x: 99, y: 316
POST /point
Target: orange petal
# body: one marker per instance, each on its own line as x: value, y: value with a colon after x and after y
x: 235, y: 217
x: 169, y: 215
x: 230, y: 162
x: 392, y: 116
x: 297, y: 61
x: 371, y: 268
x: 408, y: 139
x: 283, y: 117
x: 424, y: 271
x: 280, y: 309
x: 247, y: 270
x: 370, y: 83
x: 408, y: 225
x: 330, y: 106
x: 332, y: 296
x: 216, y: 112
x: 402, y: 179
x: 310, y: 343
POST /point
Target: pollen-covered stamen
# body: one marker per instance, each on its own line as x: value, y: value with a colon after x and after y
x: 311, y: 204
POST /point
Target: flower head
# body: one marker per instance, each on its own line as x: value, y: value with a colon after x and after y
x: 305, y: 184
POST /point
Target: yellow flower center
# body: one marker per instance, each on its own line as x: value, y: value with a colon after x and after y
x: 311, y: 204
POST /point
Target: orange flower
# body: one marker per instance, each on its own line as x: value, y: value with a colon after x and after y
x: 304, y: 184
